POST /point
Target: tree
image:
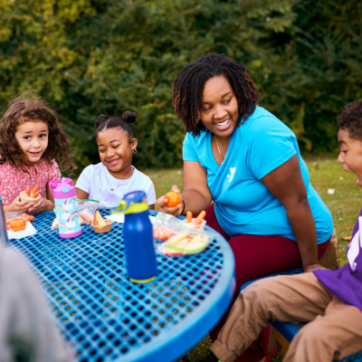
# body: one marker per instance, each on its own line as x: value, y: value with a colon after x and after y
x: 88, y: 57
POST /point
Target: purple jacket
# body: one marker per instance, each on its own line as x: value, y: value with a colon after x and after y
x: 346, y: 282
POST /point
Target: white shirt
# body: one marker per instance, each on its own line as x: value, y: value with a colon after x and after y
x: 108, y: 190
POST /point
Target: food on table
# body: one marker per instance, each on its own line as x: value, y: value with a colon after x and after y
x: 8, y: 221
x: 198, y: 222
x: 55, y: 224
x: 176, y: 239
x: 30, y: 195
x: 197, y: 243
x: 98, y: 219
x: 86, y: 216
x: 100, y: 225
x: 163, y: 232
x: 24, y: 217
x: 172, y: 252
x: 172, y: 199
x: 17, y: 224
x: 186, y: 243
x: 199, y: 219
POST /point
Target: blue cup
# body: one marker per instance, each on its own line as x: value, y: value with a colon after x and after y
x: 139, y: 247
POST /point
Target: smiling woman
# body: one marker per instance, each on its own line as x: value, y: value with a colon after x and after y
x: 115, y: 176
x: 248, y: 162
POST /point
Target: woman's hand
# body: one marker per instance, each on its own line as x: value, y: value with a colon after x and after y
x: 161, y: 204
x: 17, y: 205
x: 312, y: 267
x: 41, y: 206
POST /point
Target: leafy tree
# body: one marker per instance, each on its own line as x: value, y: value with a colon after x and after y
x: 88, y: 57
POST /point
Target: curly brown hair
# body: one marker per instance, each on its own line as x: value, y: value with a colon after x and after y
x: 351, y: 119
x: 189, y: 85
x: 28, y: 108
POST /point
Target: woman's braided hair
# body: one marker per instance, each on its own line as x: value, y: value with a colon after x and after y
x: 189, y: 85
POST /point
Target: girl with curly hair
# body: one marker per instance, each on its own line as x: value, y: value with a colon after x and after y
x: 31, y: 139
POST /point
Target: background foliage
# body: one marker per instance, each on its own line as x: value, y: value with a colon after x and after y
x: 88, y: 57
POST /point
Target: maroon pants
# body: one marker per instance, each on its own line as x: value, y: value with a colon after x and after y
x: 257, y: 256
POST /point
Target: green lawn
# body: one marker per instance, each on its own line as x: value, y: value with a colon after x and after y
x: 325, y: 173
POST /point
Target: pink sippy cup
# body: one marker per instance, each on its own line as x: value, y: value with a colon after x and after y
x: 66, y: 207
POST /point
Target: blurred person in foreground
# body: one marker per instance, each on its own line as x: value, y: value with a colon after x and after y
x: 28, y: 332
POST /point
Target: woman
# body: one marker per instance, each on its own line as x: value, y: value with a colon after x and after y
x: 248, y: 162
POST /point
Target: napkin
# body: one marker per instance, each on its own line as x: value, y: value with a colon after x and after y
x: 28, y: 231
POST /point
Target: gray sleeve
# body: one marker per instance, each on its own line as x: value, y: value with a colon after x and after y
x: 27, y: 328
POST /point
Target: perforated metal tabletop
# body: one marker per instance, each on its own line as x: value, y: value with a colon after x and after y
x: 108, y: 318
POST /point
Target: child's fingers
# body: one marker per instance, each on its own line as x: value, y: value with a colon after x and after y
x: 23, y: 204
x: 31, y: 206
x: 19, y: 202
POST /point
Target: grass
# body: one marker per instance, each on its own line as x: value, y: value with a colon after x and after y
x: 325, y: 173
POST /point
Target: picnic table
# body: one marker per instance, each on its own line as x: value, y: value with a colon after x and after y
x: 105, y: 316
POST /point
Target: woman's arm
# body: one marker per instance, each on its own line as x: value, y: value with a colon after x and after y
x: 287, y: 185
x: 196, y: 193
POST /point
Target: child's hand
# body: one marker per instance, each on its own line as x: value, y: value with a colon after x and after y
x: 18, y: 205
x: 41, y: 206
x: 312, y: 267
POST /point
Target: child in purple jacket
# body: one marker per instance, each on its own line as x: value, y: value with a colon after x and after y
x: 330, y: 300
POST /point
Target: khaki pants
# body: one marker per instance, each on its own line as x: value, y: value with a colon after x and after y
x: 334, y: 331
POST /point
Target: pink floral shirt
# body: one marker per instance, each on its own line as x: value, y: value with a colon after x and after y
x: 13, y: 181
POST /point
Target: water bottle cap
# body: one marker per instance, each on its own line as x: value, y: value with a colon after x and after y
x: 133, y: 202
x: 134, y: 196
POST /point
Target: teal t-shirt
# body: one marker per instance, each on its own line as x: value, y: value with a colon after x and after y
x: 243, y: 205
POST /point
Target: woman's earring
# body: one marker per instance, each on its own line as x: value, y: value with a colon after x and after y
x: 135, y: 151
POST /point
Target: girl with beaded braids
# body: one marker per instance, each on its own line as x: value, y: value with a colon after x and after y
x: 109, y: 180
x: 248, y: 162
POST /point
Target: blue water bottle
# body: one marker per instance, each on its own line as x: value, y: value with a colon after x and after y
x: 138, y: 238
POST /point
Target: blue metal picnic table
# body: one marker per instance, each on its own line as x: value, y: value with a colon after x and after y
x: 108, y: 318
